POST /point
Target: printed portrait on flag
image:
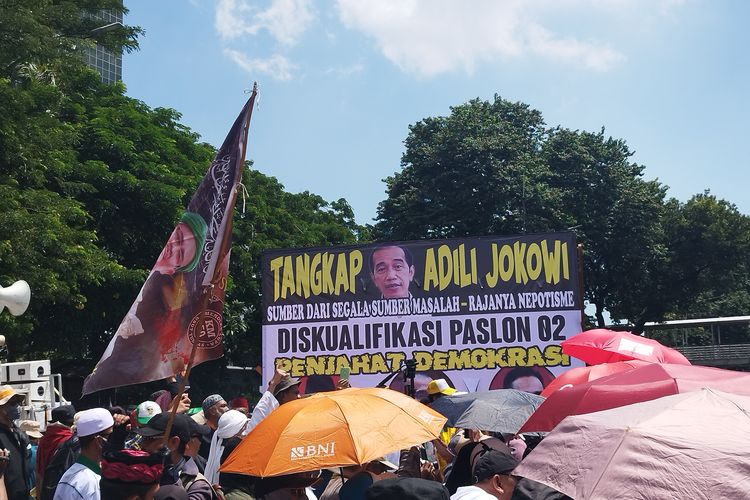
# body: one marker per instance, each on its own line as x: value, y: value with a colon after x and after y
x: 180, y: 304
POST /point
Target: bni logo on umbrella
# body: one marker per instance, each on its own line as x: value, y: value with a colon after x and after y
x: 313, y: 451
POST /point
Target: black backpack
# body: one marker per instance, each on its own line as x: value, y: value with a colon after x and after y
x: 65, y: 455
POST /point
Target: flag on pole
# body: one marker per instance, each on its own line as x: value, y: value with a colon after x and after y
x: 180, y: 304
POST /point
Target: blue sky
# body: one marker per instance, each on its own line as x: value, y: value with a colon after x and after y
x: 340, y: 81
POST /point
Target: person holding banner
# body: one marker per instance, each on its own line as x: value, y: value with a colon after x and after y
x: 392, y: 270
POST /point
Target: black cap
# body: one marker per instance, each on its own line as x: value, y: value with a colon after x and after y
x: 407, y: 488
x: 158, y: 425
x: 286, y: 382
x: 64, y: 414
x: 171, y: 492
x: 197, y: 429
x: 494, y: 462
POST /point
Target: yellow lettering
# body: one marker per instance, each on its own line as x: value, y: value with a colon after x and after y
x: 355, y: 266
x: 473, y: 257
x: 456, y: 267
x: 395, y: 359
x: 459, y: 360
x: 479, y: 358
x: 506, y: 262
x: 275, y: 266
x: 424, y: 360
x: 519, y: 250
x: 341, y: 361
x: 316, y: 283
x: 361, y: 364
x: 315, y: 365
x: 298, y: 367
x: 328, y: 272
x: 551, y: 263
x: 342, y: 275
x: 491, y: 279
x: 439, y: 360
x: 303, y: 275
x: 430, y: 270
x: 378, y: 364
x: 534, y: 261
x: 287, y: 280
x: 283, y: 364
x: 445, y: 266
x: 516, y: 356
x: 534, y: 357
x: 465, y: 276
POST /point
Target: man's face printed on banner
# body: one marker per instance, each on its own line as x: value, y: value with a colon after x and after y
x: 179, y: 250
x: 528, y: 384
x: 391, y: 273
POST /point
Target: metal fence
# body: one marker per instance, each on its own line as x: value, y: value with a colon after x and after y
x: 732, y: 354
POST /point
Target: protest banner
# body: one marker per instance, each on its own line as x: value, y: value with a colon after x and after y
x: 479, y: 312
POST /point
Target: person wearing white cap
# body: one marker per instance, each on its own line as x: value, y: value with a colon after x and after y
x: 81, y: 480
x: 231, y: 424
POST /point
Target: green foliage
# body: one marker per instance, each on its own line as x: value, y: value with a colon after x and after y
x: 493, y: 168
x: 274, y: 218
x: 92, y: 183
x: 44, y: 37
x: 476, y: 171
x: 709, y: 271
x: 616, y: 215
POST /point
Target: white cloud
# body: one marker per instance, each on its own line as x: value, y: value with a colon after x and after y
x: 344, y: 71
x: 285, y: 20
x: 544, y: 43
x: 277, y: 66
x: 429, y: 37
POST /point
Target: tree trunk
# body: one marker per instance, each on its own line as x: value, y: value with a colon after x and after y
x: 600, y: 315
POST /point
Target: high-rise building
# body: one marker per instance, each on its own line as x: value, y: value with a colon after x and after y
x: 105, y: 62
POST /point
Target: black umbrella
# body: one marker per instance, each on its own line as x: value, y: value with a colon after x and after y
x: 502, y: 410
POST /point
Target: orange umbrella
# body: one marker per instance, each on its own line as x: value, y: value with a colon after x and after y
x: 334, y: 429
x: 583, y: 374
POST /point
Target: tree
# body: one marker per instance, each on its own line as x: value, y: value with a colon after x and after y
x: 493, y: 168
x: 44, y: 37
x: 708, y: 271
x: 617, y: 218
x: 92, y: 183
x: 474, y: 172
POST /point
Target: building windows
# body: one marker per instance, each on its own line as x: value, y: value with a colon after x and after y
x: 105, y: 62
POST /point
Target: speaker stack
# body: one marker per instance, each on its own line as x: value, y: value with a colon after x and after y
x: 31, y: 378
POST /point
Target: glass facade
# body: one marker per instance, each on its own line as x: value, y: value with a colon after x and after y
x: 105, y: 62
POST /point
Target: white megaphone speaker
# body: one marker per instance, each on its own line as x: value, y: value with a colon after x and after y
x: 16, y: 297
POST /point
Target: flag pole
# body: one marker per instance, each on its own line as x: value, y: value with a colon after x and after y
x: 207, y: 288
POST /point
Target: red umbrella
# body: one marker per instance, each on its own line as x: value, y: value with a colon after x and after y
x: 583, y: 374
x: 606, y: 346
x: 639, y: 384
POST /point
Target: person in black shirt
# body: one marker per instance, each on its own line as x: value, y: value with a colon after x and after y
x: 15, y: 442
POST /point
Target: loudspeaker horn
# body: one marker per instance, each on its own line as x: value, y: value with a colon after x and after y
x: 16, y: 297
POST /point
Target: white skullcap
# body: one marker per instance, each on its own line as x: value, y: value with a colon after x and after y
x: 93, y: 421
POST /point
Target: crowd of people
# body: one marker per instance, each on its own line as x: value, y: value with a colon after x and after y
x: 150, y: 453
